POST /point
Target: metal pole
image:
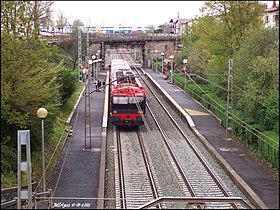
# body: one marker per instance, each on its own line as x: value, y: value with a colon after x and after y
x: 172, y: 79
x: 185, y: 84
x: 155, y: 65
x: 229, y: 104
x: 162, y: 65
x: 80, y: 55
x: 95, y: 76
x: 43, y: 157
x: 185, y: 71
x: 152, y: 60
x: 92, y: 71
x: 24, y: 139
x: 97, y: 66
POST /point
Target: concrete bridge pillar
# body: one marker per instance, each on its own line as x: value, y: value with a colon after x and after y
x: 143, y: 56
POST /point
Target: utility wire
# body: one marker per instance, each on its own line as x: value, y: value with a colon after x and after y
x: 224, y: 109
x: 234, y: 86
x: 244, y: 92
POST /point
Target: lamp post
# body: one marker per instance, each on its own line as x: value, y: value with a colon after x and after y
x: 42, y: 113
x: 171, y: 61
x: 93, y: 67
x: 185, y: 61
x: 90, y: 63
x: 96, y: 67
x: 152, y: 52
x: 156, y: 51
x: 162, y: 57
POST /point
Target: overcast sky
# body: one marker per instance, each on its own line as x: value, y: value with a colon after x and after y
x: 128, y: 13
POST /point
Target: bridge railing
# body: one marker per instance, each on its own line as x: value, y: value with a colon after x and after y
x: 133, y: 37
x: 116, y: 37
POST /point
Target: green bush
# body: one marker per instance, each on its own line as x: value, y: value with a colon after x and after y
x: 8, y: 159
x: 69, y: 80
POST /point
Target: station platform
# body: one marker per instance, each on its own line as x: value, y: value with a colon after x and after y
x: 79, y: 167
x: 235, y: 157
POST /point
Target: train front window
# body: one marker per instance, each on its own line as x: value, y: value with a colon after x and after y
x: 136, y: 99
x: 120, y: 100
x: 124, y: 104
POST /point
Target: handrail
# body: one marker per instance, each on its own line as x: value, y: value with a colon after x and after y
x: 196, y: 200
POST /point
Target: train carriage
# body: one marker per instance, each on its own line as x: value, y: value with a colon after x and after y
x: 127, y: 96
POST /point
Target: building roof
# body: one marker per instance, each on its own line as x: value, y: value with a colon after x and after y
x: 273, y: 8
x: 179, y: 20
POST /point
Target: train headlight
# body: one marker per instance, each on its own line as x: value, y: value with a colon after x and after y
x: 115, y: 112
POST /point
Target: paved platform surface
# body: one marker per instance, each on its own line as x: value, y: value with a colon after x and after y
x: 78, y: 172
x: 259, y: 177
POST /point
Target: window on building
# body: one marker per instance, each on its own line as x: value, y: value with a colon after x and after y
x: 266, y: 19
x: 276, y: 18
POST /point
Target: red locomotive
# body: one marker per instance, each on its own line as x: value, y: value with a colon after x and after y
x: 127, y: 96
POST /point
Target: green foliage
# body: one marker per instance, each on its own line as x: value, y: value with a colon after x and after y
x: 260, y: 45
x: 69, y: 83
x: 213, y: 38
x: 257, y: 75
x: 31, y: 77
x: 28, y: 82
x: 8, y: 156
x: 10, y: 13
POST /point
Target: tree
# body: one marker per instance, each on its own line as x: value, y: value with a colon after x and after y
x: 12, y: 17
x: 165, y: 28
x: 256, y: 76
x: 75, y: 28
x: 37, y: 12
x: 28, y: 81
x: 62, y: 21
x: 218, y: 34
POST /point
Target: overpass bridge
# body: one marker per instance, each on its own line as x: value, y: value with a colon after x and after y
x: 146, y: 43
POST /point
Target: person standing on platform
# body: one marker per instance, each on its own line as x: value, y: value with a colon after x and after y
x: 99, y: 85
x: 103, y: 85
x: 96, y: 85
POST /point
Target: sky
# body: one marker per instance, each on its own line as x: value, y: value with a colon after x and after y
x: 126, y: 13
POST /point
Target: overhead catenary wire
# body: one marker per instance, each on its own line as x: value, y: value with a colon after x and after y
x: 235, y: 118
x: 244, y: 92
x: 255, y: 130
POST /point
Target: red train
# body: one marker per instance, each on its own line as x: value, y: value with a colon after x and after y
x: 127, y: 96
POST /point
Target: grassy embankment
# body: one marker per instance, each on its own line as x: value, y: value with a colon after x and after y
x: 53, y: 146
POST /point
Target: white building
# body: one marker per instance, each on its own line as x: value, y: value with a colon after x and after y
x: 271, y: 17
x: 178, y: 25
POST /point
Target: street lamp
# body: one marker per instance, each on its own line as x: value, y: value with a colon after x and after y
x: 93, y: 66
x: 171, y: 61
x: 42, y: 113
x: 185, y: 61
x: 162, y: 57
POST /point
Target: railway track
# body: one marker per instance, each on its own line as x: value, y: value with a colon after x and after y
x: 196, y: 176
x: 135, y: 185
x: 186, y: 171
